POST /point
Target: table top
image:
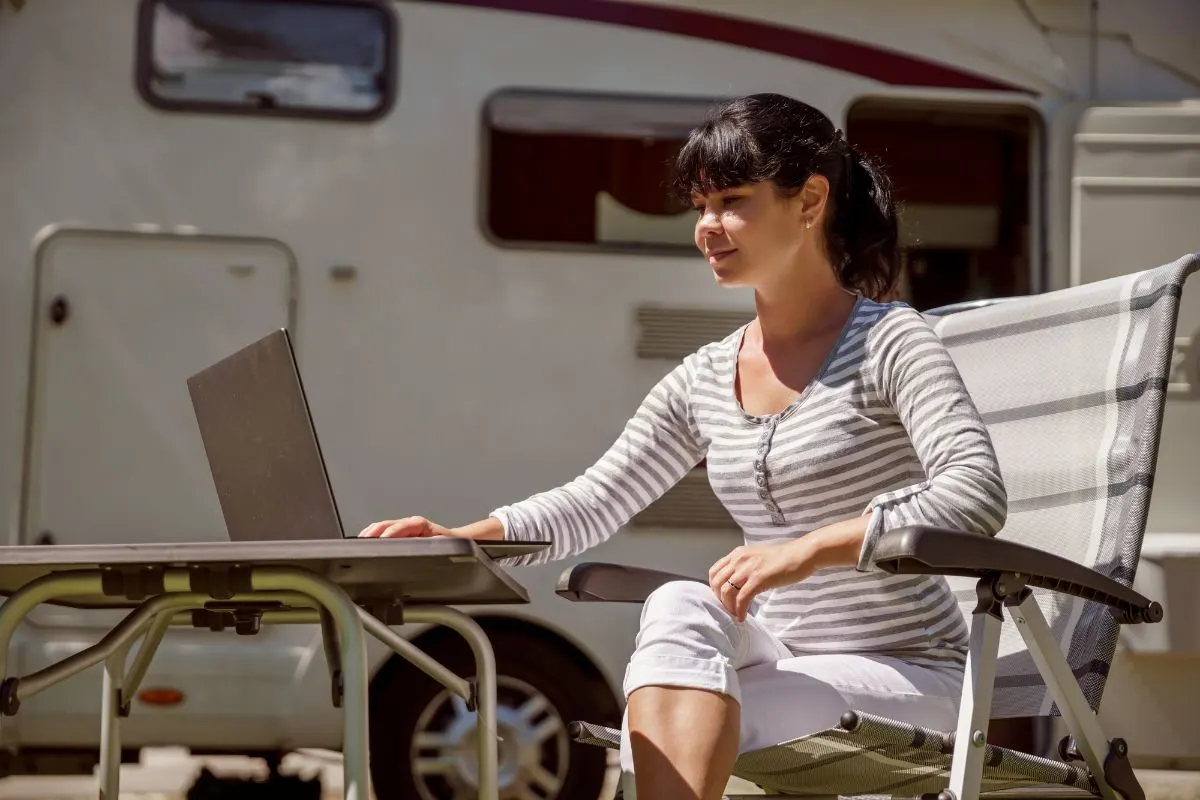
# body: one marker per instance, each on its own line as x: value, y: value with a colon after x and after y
x: 426, y: 571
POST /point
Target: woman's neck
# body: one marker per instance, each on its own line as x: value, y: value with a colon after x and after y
x: 807, y: 304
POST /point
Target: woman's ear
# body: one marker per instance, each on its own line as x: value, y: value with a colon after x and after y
x: 813, y: 199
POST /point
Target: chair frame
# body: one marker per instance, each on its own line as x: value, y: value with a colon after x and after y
x: 1006, y: 573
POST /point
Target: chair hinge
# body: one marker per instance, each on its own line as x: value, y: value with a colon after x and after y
x: 996, y: 590
x: 1118, y: 772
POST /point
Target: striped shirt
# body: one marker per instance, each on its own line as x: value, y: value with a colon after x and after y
x: 885, y: 426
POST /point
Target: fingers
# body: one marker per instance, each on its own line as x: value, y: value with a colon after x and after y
x: 397, y: 528
x: 721, y: 562
x: 733, y: 581
x: 736, y: 594
x: 744, y: 597
x: 735, y: 589
x: 729, y: 594
x: 373, y: 530
x: 725, y: 564
x: 717, y: 578
x: 401, y: 528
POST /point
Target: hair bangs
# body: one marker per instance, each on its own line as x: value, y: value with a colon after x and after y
x: 717, y: 156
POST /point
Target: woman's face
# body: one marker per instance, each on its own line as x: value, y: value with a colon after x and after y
x: 752, y: 235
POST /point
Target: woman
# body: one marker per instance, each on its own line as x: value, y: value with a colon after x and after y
x: 825, y: 421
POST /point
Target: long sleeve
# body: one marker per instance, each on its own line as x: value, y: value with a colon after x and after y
x: 963, y: 488
x: 658, y: 446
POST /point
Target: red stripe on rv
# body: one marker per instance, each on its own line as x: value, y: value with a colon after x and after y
x: 885, y: 66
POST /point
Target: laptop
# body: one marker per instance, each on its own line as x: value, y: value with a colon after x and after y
x: 263, y: 451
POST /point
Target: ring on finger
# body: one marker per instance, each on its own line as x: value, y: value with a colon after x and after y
x: 734, y: 585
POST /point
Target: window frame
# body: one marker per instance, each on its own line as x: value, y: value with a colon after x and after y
x: 483, y: 193
x: 1040, y: 146
x: 144, y: 61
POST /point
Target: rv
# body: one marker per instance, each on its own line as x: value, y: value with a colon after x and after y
x: 457, y: 209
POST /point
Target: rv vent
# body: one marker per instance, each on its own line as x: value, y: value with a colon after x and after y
x: 688, y: 504
x: 673, y: 333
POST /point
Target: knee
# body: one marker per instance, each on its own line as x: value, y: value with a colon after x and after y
x: 679, y: 600
x: 685, y: 612
x: 686, y: 639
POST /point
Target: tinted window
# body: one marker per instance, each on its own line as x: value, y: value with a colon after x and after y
x: 284, y: 57
x: 586, y: 170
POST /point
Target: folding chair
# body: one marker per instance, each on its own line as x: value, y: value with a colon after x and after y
x: 1071, y: 385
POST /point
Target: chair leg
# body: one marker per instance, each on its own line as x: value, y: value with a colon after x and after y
x: 975, y: 708
x: 1108, y: 761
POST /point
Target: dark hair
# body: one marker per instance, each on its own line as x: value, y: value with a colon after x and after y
x: 771, y: 137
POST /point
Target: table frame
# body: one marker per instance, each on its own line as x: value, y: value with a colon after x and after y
x: 274, y: 595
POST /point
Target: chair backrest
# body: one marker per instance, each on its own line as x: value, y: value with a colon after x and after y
x: 1071, y: 385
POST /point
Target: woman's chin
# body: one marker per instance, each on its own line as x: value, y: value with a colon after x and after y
x: 728, y: 278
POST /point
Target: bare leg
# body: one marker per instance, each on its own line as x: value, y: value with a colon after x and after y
x: 684, y: 742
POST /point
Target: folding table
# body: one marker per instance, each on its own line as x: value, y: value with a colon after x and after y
x: 349, y: 587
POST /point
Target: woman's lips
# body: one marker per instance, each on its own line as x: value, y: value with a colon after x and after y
x: 716, y: 256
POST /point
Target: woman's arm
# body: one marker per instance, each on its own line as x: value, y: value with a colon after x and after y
x: 963, y: 488
x: 658, y: 446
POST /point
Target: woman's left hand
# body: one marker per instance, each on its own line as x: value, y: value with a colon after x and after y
x: 739, y: 577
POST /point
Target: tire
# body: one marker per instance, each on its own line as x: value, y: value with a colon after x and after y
x: 405, y: 700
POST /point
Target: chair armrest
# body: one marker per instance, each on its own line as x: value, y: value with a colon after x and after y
x: 920, y: 550
x: 612, y: 583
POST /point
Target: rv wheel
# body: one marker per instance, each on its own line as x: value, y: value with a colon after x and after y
x: 423, y: 739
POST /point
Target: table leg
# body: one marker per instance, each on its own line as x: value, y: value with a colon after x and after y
x: 415, y: 655
x: 485, y: 678
x: 145, y: 654
x: 110, y: 726
x: 333, y: 655
x: 352, y: 641
x: 119, y: 639
x: 113, y: 649
x: 28, y: 597
x: 36, y: 592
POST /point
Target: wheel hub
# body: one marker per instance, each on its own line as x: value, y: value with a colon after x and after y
x: 533, y: 747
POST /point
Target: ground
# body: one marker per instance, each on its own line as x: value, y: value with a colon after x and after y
x: 165, y: 774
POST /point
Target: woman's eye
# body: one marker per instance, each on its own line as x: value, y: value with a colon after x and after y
x: 721, y: 203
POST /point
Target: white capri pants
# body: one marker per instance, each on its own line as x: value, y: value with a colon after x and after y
x: 688, y: 639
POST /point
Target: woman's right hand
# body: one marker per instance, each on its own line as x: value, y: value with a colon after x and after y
x: 408, y: 527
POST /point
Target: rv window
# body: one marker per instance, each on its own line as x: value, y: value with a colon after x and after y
x: 312, y: 58
x: 966, y: 174
x: 586, y: 171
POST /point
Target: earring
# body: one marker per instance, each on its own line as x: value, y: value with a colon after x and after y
x: 808, y: 223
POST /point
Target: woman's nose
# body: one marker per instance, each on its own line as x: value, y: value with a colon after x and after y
x: 709, y: 224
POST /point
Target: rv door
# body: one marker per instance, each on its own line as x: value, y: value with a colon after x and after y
x: 1135, y: 204
x: 121, y: 319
